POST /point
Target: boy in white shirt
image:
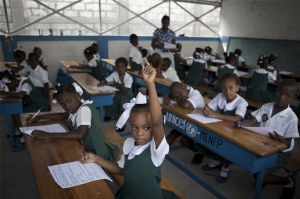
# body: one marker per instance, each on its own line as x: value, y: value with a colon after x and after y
x: 281, y: 117
x: 165, y: 71
x: 135, y: 54
x: 94, y: 45
x: 241, y: 59
x: 37, y: 75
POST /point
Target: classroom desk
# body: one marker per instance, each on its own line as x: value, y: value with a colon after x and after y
x: 250, y: 151
x: 86, y: 82
x: 44, y: 153
x: 13, y: 64
x: 218, y: 61
x: 68, y: 70
x: 109, y: 65
x: 11, y: 106
x: 162, y: 85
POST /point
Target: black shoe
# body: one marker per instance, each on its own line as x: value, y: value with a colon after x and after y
x: 208, y: 168
x: 197, y: 159
x: 122, y: 129
x: 220, y: 179
x: 288, y: 193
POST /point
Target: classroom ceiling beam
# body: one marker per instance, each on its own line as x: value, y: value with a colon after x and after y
x: 40, y: 19
x: 100, y: 17
x: 212, y: 3
x: 3, y: 31
x: 136, y: 15
x: 6, y: 17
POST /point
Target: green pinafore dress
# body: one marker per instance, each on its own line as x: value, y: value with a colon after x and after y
x: 221, y: 71
x: 96, y: 72
x: 179, y: 69
x: 118, y: 101
x: 142, y: 179
x: 41, y: 63
x: 259, y: 90
x: 94, y: 139
x: 34, y: 101
x: 136, y: 67
x: 194, y: 77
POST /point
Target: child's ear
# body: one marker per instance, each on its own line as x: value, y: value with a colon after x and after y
x: 77, y: 95
x: 237, y: 88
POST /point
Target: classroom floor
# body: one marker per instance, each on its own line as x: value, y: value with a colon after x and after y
x: 17, y: 179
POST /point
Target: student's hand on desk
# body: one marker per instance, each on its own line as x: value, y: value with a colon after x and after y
x: 166, y: 101
x: 238, y: 124
x: 89, y: 158
x: 101, y: 84
x: 40, y: 135
x: 29, y: 118
x: 161, y: 45
x: 149, y: 73
x: 207, y: 112
x: 277, y: 137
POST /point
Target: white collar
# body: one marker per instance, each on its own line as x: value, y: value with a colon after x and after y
x: 83, y: 103
x: 228, y: 66
x: 229, y: 106
x: 191, y: 89
x: 131, y: 150
x: 36, y: 69
x: 283, y: 113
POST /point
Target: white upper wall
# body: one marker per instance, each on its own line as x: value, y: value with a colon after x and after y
x: 277, y: 19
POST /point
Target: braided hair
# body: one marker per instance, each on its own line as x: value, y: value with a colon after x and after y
x: 65, y: 88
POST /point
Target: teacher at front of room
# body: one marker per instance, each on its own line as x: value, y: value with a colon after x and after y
x: 164, y: 35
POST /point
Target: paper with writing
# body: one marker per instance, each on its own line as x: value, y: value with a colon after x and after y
x: 105, y: 88
x: 201, y: 118
x: 52, y: 128
x: 261, y: 130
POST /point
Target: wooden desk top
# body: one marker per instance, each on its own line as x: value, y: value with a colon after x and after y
x: 73, y: 70
x: 162, y: 81
x: 86, y: 82
x: 44, y: 153
x: 218, y: 61
x: 213, y: 69
x: 9, y: 99
x: 13, y: 64
x: 112, y: 62
x: 256, y: 143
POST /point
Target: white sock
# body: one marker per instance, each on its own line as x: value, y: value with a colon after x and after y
x: 214, y: 163
x: 22, y: 140
x: 224, y: 172
x: 290, y: 185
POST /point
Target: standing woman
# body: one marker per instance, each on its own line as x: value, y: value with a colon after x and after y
x: 162, y: 35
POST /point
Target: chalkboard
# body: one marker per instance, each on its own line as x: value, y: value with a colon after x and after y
x: 288, y: 51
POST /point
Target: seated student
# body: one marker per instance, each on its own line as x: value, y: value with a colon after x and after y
x: 93, y: 66
x: 241, y: 60
x: 85, y: 120
x: 43, y: 61
x: 95, y: 47
x: 22, y: 88
x: 165, y: 71
x: 272, y: 66
x: 260, y: 77
x: 135, y: 54
x: 227, y: 68
x: 186, y: 97
x: 20, y: 57
x: 280, y: 116
x: 37, y: 75
x: 232, y: 108
x: 179, y: 48
x: 144, y: 154
x: 197, y: 65
x: 123, y: 82
x: 145, y: 55
x: 208, y: 55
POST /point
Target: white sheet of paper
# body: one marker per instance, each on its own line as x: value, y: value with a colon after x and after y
x: 285, y: 72
x: 161, y: 99
x: 105, y: 88
x: 242, y: 73
x: 201, y: 118
x: 261, y: 130
x: 75, y: 173
x: 169, y: 45
x: 52, y: 128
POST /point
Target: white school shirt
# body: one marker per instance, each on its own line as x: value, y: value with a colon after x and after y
x: 171, y: 74
x: 157, y: 154
x: 181, y: 55
x: 285, y: 122
x: 92, y: 62
x: 38, y: 76
x: 219, y: 102
x: 25, y: 87
x: 208, y: 57
x: 83, y: 115
x: 274, y: 72
x: 97, y: 56
x: 241, y: 60
x: 136, y: 55
x: 44, y: 61
x: 114, y: 77
x: 190, y: 62
x: 24, y: 63
x: 271, y: 77
x: 195, y: 98
x: 230, y: 67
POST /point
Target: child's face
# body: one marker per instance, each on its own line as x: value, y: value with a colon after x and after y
x: 229, y: 89
x: 179, y: 48
x: 141, y: 127
x: 70, y: 102
x: 135, y: 42
x: 121, y: 68
x: 232, y: 62
x: 38, y: 52
x: 19, y: 59
x: 33, y: 62
x: 88, y: 56
x: 180, y: 93
x: 96, y: 48
x: 284, y: 95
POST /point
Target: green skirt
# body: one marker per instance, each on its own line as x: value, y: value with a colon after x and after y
x: 118, y: 101
x: 259, y: 95
x: 210, y: 154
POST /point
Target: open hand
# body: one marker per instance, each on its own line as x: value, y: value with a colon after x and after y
x: 40, y: 135
x: 161, y: 45
x: 238, y: 124
x: 89, y: 158
x: 29, y: 118
x: 149, y: 73
x: 166, y: 100
x: 277, y: 137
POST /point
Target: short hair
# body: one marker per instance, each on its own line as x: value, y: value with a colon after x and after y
x: 208, y: 49
x: 166, y: 17
x: 175, y: 85
x: 263, y: 61
x: 178, y: 44
x: 33, y: 55
x: 229, y: 56
x: 155, y: 57
x: 199, y: 50
x: 20, y: 53
x: 230, y: 76
x: 167, y: 62
x: 238, y: 51
x: 36, y: 48
x: 121, y: 60
x: 89, y: 51
x: 64, y: 88
x: 290, y: 83
x: 144, y: 51
x: 272, y: 58
x: 94, y: 44
x: 133, y: 37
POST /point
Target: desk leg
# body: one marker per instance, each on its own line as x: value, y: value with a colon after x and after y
x: 259, y: 181
x: 13, y: 143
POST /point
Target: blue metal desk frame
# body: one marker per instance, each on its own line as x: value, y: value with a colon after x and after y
x: 68, y: 73
x: 109, y: 68
x: 232, y: 152
x: 8, y: 109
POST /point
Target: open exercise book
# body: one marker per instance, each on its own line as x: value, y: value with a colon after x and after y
x: 105, y: 88
x: 161, y: 99
x: 201, y: 118
x: 52, y: 128
x: 75, y: 173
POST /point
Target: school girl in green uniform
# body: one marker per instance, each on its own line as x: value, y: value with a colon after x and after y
x: 20, y: 57
x: 93, y: 66
x: 85, y: 121
x: 22, y: 88
x: 260, y: 77
x: 232, y: 108
x: 42, y: 59
x: 144, y: 153
x: 123, y: 82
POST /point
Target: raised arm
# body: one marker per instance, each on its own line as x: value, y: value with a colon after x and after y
x: 149, y: 75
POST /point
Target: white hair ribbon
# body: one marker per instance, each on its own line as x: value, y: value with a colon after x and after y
x: 228, y: 53
x: 140, y: 99
x: 54, y: 101
x: 3, y: 82
x: 78, y: 88
x: 20, y: 49
x: 260, y: 62
x: 199, y: 55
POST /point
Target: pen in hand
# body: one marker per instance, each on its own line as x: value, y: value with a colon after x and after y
x: 36, y: 113
x: 83, y: 151
x: 240, y: 123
